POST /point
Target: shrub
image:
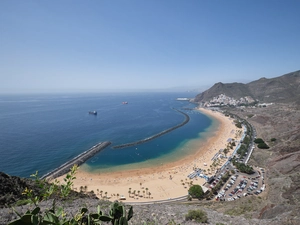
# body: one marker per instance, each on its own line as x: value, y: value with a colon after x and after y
x: 56, y: 215
x: 196, y: 191
x: 243, y: 167
x: 197, y: 215
x: 259, y: 140
x: 273, y: 139
x: 238, y: 125
x: 263, y: 146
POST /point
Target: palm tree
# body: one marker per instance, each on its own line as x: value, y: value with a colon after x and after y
x: 117, y: 195
x: 144, y: 194
x: 149, y: 194
x: 138, y: 193
x: 129, y: 192
x: 146, y: 190
x: 85, y: 188
x: 105, y: 194
x: 81, y: 188
x: 101, y: 193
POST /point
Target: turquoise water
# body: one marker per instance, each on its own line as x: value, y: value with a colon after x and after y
x: 41, y: 132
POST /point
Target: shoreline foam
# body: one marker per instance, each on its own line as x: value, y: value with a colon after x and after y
x: 166, y: 181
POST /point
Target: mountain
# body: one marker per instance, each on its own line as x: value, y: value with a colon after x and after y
x: 285, y: 88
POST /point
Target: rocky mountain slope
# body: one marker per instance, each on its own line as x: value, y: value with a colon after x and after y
x: 285, y: 88
x: 282, y: 161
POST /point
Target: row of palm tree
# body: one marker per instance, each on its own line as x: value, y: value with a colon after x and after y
x: 137, y: 193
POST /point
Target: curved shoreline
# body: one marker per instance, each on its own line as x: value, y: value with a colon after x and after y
x: 186, y: 120
x: 165, y: 181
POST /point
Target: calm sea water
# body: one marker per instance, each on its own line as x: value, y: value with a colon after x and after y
x: 41, y: 132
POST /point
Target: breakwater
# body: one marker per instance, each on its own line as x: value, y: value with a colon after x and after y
x: 186, y: 120
x: 79, y: 160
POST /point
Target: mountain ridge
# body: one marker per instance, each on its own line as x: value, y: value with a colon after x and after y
x: 284, y: 89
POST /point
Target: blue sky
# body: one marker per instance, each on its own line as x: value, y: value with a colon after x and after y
x: 141, y: 45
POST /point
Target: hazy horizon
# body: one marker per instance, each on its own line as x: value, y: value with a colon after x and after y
x: 102, y: 46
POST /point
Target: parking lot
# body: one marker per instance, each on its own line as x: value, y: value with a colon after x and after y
x: 240, y: 185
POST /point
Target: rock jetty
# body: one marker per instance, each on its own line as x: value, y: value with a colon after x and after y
x: 80, y: 159
x: 186, y: 120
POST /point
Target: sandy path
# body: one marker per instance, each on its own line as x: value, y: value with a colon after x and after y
x: 161, y: 182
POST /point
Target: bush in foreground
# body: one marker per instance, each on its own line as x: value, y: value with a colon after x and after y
x: 197, y: 215
x: 57, y: 216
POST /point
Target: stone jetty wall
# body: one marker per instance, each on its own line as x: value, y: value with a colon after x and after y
x: 79, y: 160
x: 186, y: 120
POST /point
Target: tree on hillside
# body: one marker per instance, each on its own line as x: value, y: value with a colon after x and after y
x: 196, y: 191
x: 259, y: 140
x: 263, y: 146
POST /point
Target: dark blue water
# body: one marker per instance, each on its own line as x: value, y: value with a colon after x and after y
x: 41, y: 132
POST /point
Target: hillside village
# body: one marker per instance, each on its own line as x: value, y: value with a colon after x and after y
x: 223, y: 100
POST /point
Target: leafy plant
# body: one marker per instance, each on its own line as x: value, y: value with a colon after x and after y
x: 197, y: 215
x: 57, y: 216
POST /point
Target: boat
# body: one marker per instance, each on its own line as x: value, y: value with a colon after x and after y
x: 93, y: 112
x: 124, y: 103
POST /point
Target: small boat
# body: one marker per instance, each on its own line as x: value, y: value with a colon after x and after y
x: 93, y: 112
x: 124, y: 103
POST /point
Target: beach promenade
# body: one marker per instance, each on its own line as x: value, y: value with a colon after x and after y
x: 164, y: 180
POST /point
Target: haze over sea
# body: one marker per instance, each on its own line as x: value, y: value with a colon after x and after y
x: 41, y: 132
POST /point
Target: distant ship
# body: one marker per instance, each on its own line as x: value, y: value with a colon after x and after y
x: 124, y: 103
x: 93, y: 112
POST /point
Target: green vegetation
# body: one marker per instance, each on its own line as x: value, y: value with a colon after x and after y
x: 259, y: 140
x: 57, y: 216
x: 196, y: 191
x: 263, y: 146
x: 220, y: 184
x: 243, y: 167
x: 246, y: 140
x: 242, y: 150
x: 261, y: 143
x: 238, y: 124
x: 197, y: 215
x: 273, y: 139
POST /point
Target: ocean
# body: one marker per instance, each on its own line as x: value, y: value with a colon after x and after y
x: 41, y: 132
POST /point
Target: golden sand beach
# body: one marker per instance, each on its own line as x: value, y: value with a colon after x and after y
x: 166, y: 181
